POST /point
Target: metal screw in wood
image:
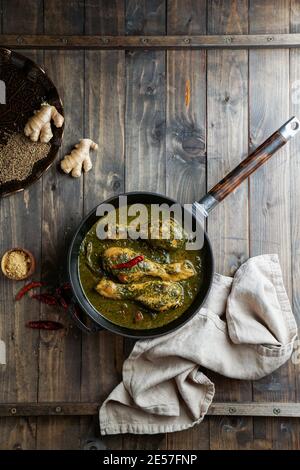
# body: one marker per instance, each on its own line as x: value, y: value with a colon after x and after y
x: 13, y: 411
x: 276, y: 411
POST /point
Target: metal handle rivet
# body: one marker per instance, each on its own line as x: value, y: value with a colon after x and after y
x: 187, y: 40
x: 232, y: 410
x: 58, y: 409
x: 13, y: 411
x: 276, y: 411
x: 270, y: 38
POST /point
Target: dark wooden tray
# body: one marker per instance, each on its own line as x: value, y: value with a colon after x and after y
x: 27, y: 86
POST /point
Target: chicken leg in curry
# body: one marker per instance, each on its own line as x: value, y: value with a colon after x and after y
x: 156, y: 295
x: 115, y: 258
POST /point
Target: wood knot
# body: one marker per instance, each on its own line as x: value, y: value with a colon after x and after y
x: 158, y: 132
x: 114, y: 182
x: 116, y: 185
x: 193, y: 145
x: 149, y: 90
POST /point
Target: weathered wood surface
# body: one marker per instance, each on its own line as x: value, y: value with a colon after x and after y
x: 60, y: 356
x: 186, y: 139
x: 145, y: 118
x: 227, y: 145
x: 104, y: 122
x: 269, y: 206
x: 274, y: 409
x: 19, y: 379
x: 188, y: 41
x: 168, y: 121
x: 49, y: 409
x: 294, y: 187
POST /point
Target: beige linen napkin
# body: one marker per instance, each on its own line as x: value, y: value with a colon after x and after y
x: 2, y: 353
x: 245, y: 330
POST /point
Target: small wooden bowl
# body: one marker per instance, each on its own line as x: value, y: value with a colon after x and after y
x: 31, y: 264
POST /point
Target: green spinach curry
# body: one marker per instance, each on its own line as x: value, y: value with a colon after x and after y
x: 155, y: 289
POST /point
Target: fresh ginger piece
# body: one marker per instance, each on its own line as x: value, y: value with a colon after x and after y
x: 79, y: 158
x: 38, y: 127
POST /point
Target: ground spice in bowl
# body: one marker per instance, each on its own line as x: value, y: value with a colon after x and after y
x: 17, y: 264
x: 18, y: 155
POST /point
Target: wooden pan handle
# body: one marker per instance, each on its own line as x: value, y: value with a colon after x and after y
x: 250, y: 164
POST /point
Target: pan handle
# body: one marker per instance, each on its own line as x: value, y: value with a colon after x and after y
x: 249, y: 165
x: 73, y: 312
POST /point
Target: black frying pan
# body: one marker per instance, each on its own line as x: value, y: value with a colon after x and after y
x: 206, y: 204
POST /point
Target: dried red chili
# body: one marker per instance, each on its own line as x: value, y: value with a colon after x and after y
x: 62, y: 295
x: 66, y: 286
x: 59, y: 296
x: 45, y: 298
x: 27, y: 288
x: 62, y: 301
x: 130, y: 263
x: 44, y: 325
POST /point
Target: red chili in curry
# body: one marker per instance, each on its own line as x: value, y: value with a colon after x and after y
x: 129, y: 264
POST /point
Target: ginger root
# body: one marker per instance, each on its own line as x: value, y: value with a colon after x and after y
x: 79, y: 158
x: 38, y: 127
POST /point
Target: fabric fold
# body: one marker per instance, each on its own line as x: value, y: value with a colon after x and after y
x: 2, y: 353
x: 245, y: 330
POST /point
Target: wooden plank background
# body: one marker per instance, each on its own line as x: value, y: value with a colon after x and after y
x: 150, y: 138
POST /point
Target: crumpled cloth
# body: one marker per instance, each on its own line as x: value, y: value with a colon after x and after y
x: 2, y: 353
x: 245, y: 330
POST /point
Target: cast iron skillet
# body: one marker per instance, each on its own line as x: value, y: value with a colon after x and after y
x: 205, y: 205
x: 27, y: 86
